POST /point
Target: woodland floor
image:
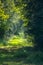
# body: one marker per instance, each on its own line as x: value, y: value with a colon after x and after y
x: 20, y: 56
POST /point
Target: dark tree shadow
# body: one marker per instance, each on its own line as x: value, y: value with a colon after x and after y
x: 36, y: 25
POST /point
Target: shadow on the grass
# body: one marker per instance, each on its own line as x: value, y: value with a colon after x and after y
x: 27, y: 55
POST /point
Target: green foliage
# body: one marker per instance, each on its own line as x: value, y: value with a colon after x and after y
x: 24, y: 16
x: 21, y: 32
x: 8, y: 9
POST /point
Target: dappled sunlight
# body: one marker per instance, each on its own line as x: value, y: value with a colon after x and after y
x: 16, y: 63
x: 19, y: 40
x: 21, y: 32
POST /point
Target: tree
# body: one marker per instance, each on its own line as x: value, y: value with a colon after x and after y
x: 11, y: 11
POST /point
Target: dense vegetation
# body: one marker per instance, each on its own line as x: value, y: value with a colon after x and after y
x: 21, y: 32
x: 22, y: 19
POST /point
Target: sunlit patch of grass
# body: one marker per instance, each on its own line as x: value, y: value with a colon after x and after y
x: 14, y: 63
x: 18, y: 41
x: 1, y: 44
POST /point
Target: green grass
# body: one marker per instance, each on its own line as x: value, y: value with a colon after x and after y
x: 19, y: 41
x: 20, y: 56
x: 17, y: 51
